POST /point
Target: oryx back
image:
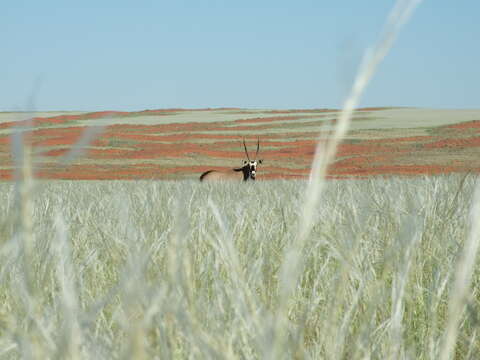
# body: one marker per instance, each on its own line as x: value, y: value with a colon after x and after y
x: 215, y: 175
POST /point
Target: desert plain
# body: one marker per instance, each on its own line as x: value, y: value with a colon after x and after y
x: 182, y: 143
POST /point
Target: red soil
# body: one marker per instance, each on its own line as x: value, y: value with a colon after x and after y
x: 57, y: 152
x: 454, y: 143
x: 6, y: 175
x: 359, y: 158
x: 355, y: 149
x: 56, y: 136
x: 474, y: 124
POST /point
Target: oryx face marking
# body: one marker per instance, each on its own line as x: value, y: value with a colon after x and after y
x: 247, y: 172
x: 252, y: 168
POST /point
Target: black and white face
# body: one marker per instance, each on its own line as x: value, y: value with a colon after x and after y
x: 252, y: 167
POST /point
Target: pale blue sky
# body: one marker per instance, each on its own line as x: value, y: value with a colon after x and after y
x: 134, y: 55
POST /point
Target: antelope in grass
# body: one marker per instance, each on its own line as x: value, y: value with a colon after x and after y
x: 248, y: 171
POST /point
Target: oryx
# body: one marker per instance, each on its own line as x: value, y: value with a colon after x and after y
x: 248, y: 171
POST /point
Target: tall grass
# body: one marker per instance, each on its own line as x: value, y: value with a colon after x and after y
x: 190, y: 270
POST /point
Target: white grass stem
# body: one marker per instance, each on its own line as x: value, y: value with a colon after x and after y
x: 325, y: 153
x: 463, y: 277
x: 69, y: 346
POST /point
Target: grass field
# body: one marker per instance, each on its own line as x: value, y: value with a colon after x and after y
x: 187, y: 270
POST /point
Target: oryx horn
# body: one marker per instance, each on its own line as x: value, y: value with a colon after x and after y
x: 246, y: 152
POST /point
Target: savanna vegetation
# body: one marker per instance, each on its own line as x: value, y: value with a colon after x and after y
x: 193, y: 270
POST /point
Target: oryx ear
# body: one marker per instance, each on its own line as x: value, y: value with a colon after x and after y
x: 260, y: 161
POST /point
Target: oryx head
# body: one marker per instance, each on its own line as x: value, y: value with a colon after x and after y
x: 251, y: 165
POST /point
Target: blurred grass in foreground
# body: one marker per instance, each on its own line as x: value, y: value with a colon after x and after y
x: 190, y: 270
